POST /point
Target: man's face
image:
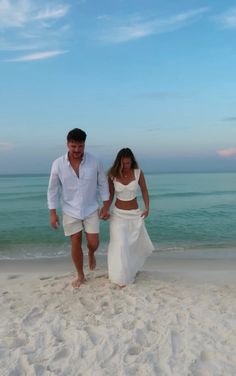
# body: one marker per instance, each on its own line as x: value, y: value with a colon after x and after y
x: 76, y: 149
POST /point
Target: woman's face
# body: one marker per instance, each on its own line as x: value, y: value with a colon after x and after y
x: 126, y: 163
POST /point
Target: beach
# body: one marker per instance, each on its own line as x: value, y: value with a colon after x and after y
x: 177, y: 319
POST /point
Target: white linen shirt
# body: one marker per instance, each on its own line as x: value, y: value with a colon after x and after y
x: 78, y: 194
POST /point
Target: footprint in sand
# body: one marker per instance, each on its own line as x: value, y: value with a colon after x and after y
x: 175, y: 342
x: 44, y: 278
x: 39, y: 369
x: 140, y: 338
x: 88, y: 304
x: 60, y: 277
x: 132, y: 354
x: 104, y: 305
x: 13, y: 276
x: 105, y: 276
x: 92, y: 335
x: 118, y: 309
x: 129, y: 325
x: 62, y: 353
x: 206, y: 356
x: 32, y: 317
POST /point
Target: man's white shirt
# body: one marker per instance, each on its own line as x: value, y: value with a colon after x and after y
x: 78, y: 193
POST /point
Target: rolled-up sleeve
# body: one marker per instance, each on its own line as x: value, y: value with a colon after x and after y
x: 54, y: 187
x: 102, y: 183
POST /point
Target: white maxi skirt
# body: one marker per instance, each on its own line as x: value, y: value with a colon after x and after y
x: 129, y: 245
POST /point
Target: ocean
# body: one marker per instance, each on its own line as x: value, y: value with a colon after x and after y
x: 190, y: 213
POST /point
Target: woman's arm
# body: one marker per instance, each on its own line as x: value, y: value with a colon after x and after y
x: 111, y: 190
x: 107, y: 204
x: 145, y: 194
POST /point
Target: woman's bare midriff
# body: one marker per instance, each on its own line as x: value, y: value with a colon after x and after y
x: 126, y: 205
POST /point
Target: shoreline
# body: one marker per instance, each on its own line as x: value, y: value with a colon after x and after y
x: 30, y: 252
x: 167, y: 267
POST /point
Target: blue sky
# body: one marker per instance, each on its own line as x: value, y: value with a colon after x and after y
x: 157, y: 76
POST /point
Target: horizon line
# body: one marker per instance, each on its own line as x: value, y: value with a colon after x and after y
x: 146, y: 173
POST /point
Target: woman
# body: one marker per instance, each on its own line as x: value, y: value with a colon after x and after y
x: 129, y: 241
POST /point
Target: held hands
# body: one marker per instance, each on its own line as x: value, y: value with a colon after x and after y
x: 104, y: 214
x: 54, y: 220
x: 145, y: 213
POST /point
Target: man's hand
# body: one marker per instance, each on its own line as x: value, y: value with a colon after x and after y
x: 54, y: 220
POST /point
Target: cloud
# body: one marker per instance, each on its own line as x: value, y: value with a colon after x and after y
x: 14, y: 14
x: 163, y: 95
x: 230, y: 118
x: 165, y: 128
x: 19, y: 13
x: 38, y: 56
x: 136, y: 28
x: 6, y: 146
x: 52, y: 13
x: 226, y: 153
x: 103, y: 17
x: 228, y: 19
x: 31, y: 25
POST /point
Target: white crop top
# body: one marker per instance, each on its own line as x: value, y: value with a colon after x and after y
x: 127, y: 192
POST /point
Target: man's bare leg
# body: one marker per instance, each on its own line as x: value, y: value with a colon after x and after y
x: 92, y: 244
x: 78, y: 258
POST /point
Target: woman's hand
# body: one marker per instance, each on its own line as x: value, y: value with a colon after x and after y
x: 104, y: 213
x: 145, y: 213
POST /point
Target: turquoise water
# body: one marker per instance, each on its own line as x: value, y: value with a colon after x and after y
x: 189, y: 212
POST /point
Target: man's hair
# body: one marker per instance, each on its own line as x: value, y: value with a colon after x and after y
x: 76, y: 134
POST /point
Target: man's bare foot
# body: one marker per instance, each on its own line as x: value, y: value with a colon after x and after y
x: 78, y: 281
x: 91, y: 260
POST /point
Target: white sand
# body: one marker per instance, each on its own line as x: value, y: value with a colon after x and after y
x: 178, y: 319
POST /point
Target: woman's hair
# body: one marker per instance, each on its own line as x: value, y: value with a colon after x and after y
x: 116, y: 169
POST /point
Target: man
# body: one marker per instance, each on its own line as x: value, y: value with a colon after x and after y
x: 75, y: 179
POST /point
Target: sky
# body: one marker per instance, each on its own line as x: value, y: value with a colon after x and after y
x: 156, y: 76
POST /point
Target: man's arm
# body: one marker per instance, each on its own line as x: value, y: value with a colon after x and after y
x: 54, y: 219
x: 53, y: 196
x: 104, y: 211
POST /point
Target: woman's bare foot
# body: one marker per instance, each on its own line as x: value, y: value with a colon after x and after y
x: 78, y: 281
x: 91, y: 260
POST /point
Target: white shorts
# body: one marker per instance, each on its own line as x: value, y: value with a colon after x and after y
x: 73, y: 225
